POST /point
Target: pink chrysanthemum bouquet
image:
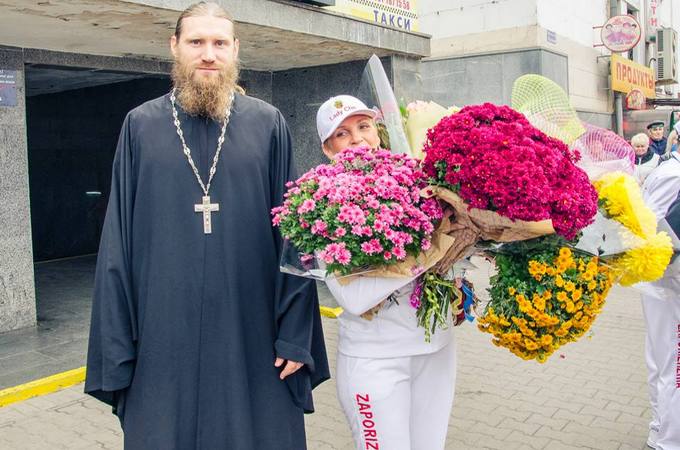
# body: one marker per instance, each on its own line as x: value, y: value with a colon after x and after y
x: 494, y: 159
x: 363, y: 211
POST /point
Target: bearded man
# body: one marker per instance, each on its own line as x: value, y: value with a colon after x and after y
x: 197, y: 340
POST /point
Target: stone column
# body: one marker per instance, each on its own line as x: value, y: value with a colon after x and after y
x: 298, y: 93
x: 17, y: 292
x: 406, y: 78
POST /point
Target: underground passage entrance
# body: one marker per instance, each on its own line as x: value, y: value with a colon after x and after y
x: 73, y: 120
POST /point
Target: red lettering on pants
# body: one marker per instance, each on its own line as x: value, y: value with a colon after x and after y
x: 368, y: 430
x: 677, y: 362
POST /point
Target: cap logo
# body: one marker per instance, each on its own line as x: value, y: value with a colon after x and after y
x: 342, y: 110
x: 338, y: 104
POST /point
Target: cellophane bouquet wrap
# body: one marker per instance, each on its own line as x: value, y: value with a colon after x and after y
x: 603, y: 151
x: 420, y: 116
x: 360, y: 213
x: 624, y: 233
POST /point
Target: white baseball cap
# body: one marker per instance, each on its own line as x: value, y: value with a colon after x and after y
x: 335, y: 110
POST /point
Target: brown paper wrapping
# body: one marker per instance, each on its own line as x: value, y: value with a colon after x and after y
x: 441, y: 242
x: 472, y: 224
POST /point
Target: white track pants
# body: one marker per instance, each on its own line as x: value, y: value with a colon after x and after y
x: 662, y: 354
x: 398, y: 403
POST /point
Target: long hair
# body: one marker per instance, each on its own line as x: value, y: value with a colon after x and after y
x: 204, y: 9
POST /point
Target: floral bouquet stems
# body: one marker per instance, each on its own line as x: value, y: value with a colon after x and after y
x: 432, y: 297
x: 437, y: 296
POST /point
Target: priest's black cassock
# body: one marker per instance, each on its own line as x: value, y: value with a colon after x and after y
x: 186, y: 325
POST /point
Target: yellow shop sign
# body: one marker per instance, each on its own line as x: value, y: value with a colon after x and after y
x: 628, y: 75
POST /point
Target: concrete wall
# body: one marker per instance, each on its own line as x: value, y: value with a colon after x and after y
x: 406, y: 77
x: 588, y: 73
x: 298, y: 93
x: 476, y: 79
x: 574, y: 19
x: 487, y: 78
x: 446, y: 19
x: 17, y: 292
x: 257, y: 84
x: 602, y: 120
x: 572, y: 22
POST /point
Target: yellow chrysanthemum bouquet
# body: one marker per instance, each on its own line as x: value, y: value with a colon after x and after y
x: 631, y: 243
x: 544, y: 296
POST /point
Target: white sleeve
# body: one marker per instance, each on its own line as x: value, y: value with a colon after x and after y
x: 363, y: 293
x: 659, y: 193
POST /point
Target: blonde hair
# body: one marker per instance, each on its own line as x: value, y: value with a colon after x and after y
x: 639, y: 139
x: 383, y: 134
x: 210, y: 9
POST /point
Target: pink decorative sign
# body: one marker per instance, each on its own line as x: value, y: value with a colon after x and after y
x: 621, y: 33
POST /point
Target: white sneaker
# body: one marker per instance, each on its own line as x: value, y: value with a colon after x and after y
x: 651, y: 438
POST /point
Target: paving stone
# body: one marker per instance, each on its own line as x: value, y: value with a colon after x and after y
x: 501, y: 402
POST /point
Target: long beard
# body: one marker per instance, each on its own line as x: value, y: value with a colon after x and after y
x: 208, y: 98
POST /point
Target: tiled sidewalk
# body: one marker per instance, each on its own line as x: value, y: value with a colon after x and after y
x: 590, y: 396
x: 59, y: 342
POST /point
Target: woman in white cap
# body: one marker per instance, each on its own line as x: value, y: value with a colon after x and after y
x: 395, y: 389
x: 346, y: 122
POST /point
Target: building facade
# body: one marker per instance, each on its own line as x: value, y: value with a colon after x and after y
x: 479, y: 47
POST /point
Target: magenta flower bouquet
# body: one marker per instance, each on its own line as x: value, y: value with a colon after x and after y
x: 362, y: 211
x: 494, y: 159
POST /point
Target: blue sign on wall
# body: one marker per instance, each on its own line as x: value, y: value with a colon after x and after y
x: 8, y: 87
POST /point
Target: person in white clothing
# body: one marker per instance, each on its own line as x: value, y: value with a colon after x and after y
x: 661, y: 306
x: 395, y: 389
x: 645, y: 158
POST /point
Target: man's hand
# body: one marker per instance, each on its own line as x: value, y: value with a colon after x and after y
x: 291, y: 367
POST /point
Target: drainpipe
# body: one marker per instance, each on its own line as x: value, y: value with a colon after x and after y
x: 615, y: 10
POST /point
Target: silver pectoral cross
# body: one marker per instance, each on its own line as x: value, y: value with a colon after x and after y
x: 207, y: 208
